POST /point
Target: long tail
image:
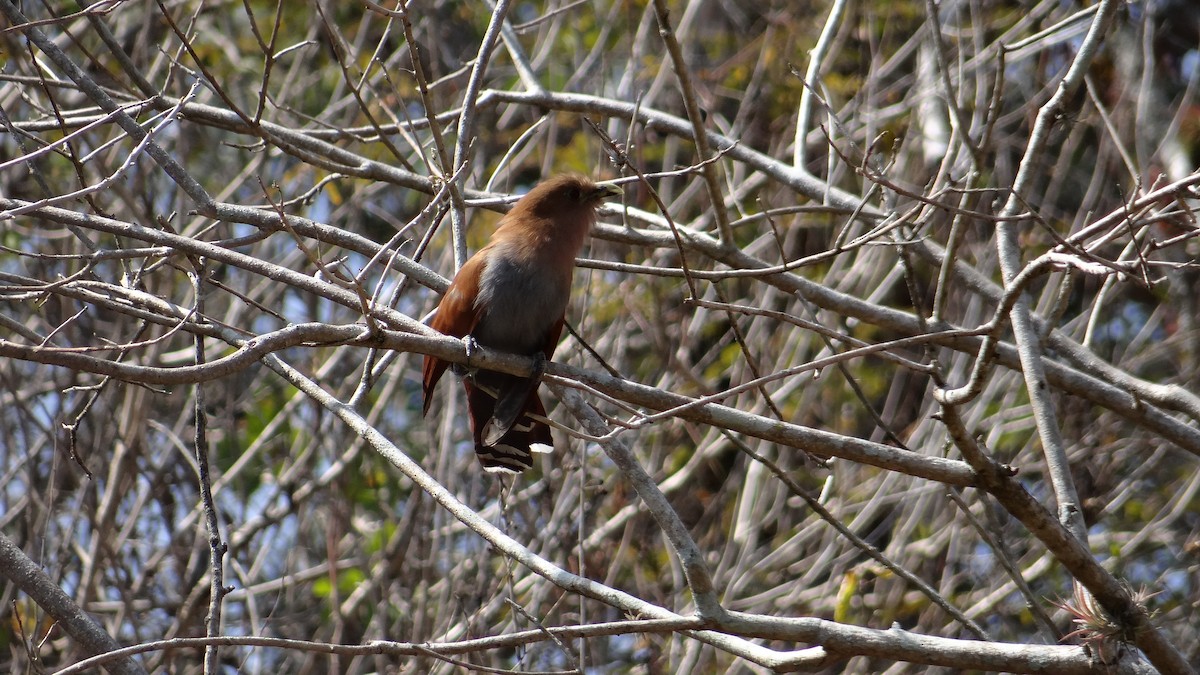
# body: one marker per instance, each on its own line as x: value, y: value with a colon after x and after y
x: 512, y: 453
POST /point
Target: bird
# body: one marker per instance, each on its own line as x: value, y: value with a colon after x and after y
x: 512, y: 296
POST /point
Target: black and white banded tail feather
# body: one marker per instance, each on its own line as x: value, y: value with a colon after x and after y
x: 513, y: 451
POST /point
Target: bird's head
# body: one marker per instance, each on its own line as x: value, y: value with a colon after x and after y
x: 566, y: 196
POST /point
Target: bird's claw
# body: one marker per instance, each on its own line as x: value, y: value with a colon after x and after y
x: 539, y: 366
x: 470, y: 345
x: 465, y: 369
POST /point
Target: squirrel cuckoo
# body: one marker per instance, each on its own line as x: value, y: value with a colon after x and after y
x: 512, y: 296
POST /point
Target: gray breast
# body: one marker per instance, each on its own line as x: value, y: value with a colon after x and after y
x: 517, y: 308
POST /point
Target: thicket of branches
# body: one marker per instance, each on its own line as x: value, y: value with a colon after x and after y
x: 886, y: 361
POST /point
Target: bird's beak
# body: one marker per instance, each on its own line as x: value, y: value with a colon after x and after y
x: 607, y: 191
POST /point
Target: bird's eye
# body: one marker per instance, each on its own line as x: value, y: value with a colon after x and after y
x: 575, y: 193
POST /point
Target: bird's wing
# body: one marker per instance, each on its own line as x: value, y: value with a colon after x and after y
x: 456, y: 316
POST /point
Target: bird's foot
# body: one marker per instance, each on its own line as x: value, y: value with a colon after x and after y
x: 471, y: 346
x: 539, y: 367
x: 465, y: 369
